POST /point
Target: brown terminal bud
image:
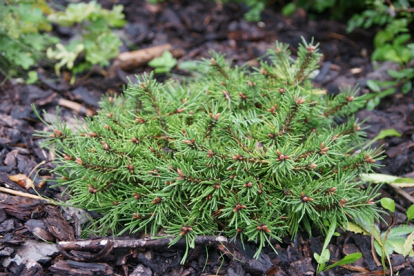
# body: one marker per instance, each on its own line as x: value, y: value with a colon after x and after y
x: 349, y: 99
x: 248, y: 185
x: 105, y: 145
x: 156, y: 201
x: 134, y: 140
x: 91, y: 189
x: 67, y: 157
x: 310, y: 49
x: 136, y: 216
x: 140, y: 120
x: 58, y: 133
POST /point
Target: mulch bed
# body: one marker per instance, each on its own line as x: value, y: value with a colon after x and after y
x: 194, y: 28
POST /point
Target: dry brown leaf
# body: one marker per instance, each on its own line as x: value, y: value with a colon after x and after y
x: 22, y: 180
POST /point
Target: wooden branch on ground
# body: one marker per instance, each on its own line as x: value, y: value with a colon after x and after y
x: 133, y: 243
x: 17, y: 193
x: 403, y: 193
x: 130, y: 60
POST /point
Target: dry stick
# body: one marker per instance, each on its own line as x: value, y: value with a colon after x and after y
x: 374, y: 255
x: 135, y: 59
x: 13, y: 192
x: 76, y: 106
x: 403, y: 193
x: 132, y: 243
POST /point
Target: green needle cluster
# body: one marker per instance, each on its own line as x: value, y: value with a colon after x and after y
x: 246, y: 153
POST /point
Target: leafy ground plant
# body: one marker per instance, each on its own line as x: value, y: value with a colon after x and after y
x: 21, y: 37
x: 252, y: 155
x: 326, y: 254
x: 391, y: 44
x: 164, y: 63
x: 398, y: 239
x: 95, y: 39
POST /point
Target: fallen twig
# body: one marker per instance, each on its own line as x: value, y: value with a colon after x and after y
x: 133, y: 243
x: 17, y: 193
x: 76, y: 106
x: 402, y: 193
x: 134, y: 59
x: 374, y: 255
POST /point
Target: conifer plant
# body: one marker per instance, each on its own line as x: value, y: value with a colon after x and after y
x: 252, y: 154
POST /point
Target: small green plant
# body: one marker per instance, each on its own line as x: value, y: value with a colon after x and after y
x: 391, y: 44
x: 402, y: 81
x: 410, y: 213
x: 253, y: 14
x: 21, y: 34
x: 255, y: 8
x: 326, y: 254
x: 252, y: 155
x: 394, y: 239
x: 95, y: 39
x: 336, y: 9
x: 164, y: 63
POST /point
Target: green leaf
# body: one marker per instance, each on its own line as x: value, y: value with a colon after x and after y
x: 396, y: 74
x: 408, y: 245
x: 406, y: 87
x: 289, y: 9
x: 372, y: 103
x: 388, y: 204
x: 373, y: 85
x: 400, y: 39
x: 387, y: 92
x: 407, y: 72
x: 404, y: 180
x: 103, y: 49
x: 381, y: 37
x: 377, y: 177
x: 353, y: 227
x: 389, y: 249
x: 163, y: 63
x: 385, y: 133
x: 385, y: 178
x: 64, y: 56
x: 400, y: 231
x: 410, y: 213
x: 32, y: 77
x: 349, y: 259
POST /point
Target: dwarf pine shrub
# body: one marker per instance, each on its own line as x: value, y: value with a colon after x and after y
x: 249, y: 154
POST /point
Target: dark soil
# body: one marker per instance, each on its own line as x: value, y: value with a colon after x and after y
x: 196, y: 28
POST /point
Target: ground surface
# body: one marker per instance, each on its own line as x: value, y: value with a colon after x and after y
x: 193, y: 28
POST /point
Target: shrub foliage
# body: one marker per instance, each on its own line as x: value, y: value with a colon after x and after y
x: 249, y: 154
